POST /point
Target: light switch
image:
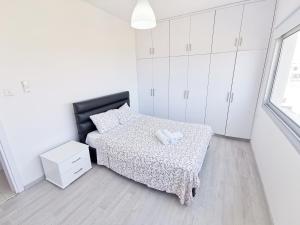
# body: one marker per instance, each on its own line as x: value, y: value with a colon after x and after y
x: 8, y: 93
x: 26, y: 86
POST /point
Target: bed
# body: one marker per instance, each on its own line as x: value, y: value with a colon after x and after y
x: 133, y: 151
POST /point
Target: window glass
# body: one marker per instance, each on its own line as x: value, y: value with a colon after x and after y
x: 285, y: 94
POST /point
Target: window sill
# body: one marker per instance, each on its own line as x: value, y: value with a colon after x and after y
x: 293, y: 138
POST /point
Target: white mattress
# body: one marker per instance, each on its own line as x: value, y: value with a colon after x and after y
x: 132, y: 150
x: 91, y: 138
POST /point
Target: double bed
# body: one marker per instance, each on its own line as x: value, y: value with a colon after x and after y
x: 133, y: 151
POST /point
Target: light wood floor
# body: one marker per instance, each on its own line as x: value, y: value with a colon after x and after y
x: 5, y: 192
x: 231, y: 194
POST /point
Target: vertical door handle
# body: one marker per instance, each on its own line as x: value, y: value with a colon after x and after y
x: 153, y: 92
x: 190, y: 47
x: 231, y: 97
x: 187, y: 94
x: 187, y: 47
x: 153, y: 51
x: 241, y: 41
x: 184, y: 95
x: 236, y: 42
x: 228, y: 97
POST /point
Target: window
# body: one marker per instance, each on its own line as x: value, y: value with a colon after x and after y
x: 284, y: 96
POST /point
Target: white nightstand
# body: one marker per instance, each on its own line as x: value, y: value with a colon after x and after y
x: 66, y: 163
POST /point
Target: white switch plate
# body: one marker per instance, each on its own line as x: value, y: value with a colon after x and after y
x: 8, y: 93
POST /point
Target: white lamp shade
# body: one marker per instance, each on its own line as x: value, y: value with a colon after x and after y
x: 143, y: 16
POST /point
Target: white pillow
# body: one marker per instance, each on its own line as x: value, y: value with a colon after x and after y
x: 105, y: 121
x: 125, y: 114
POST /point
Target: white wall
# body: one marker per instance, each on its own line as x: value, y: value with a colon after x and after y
x: 278, y: 161
x: 68, y: 50
x: 285, y: 9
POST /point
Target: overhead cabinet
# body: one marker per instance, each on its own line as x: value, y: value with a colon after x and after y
x: 256, y: 25
x: 179, y: 36
x: 192, y: 35
x: 227, y: 29
x: 153, y: 43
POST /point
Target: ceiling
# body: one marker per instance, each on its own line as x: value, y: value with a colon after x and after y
x: 162, y: 8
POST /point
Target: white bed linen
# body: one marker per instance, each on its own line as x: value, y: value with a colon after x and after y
x: 91, y: 138
x: 132, y: 150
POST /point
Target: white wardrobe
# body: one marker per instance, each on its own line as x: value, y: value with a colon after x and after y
x: 206, y: 67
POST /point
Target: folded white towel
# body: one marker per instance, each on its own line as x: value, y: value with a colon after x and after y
x: 162, y: 137
x: 173, y: 137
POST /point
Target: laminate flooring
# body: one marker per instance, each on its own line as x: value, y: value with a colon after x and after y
x: 230, y: 194
x: 5, y: 192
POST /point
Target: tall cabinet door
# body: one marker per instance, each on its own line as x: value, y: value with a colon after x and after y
x: 197, y: 86
x: 256, y: 25
x: 161, y: 87
x: 202, y: 26
x: 179, y: 36
x: 143, y: 44
x: 245, y: 89
x: 144, y: 69
x: 161, y: 39
x: 227, y: 29
x: 178, y: 86
x: 220, y: 79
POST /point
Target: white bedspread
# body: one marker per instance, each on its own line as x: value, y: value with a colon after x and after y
x: 132, y: 150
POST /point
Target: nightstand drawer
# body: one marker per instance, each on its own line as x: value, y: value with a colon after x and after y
x: 71, y: 175
x: 81, y: 157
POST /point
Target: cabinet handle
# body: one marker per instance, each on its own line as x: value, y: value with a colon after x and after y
x: 236, y: 42
x: 241, y: 41
x: 228, y: 96
x: 153, y: 92
x: 78, y: 171
x: 187, y: 94
x: 76, y: 160
x: 231, y: 97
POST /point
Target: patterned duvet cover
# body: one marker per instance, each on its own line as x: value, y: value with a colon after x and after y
x: 133, y: 151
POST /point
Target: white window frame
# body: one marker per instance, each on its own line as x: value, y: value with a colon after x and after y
x: 290, y: 129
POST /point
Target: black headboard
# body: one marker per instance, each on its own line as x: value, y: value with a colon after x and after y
x: 83, y: 110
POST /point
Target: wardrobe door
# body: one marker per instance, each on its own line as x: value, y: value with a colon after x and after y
x: 161, y: 39
x: 201, y: 33
x: 161, y: 87
x: 178, y: 86
x: 179, y: 36
x: 143, y: 44
x: 257, y: 25
x: 220, y: 79
x: 227, y: 29
x: 248, y: 72
x: 197, y: 87
x: 144, y: 68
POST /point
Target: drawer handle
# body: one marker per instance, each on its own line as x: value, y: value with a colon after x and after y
x: 78, y: 171
x: 76, y: 160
